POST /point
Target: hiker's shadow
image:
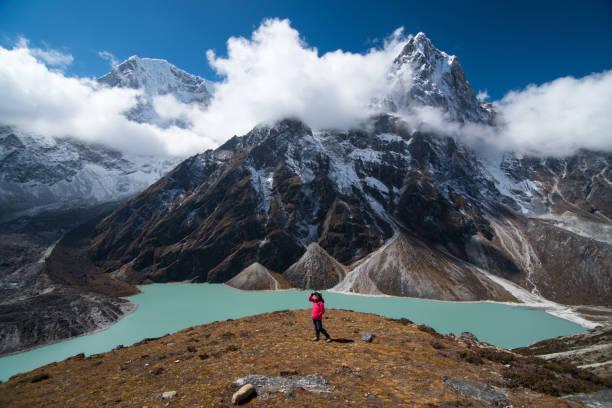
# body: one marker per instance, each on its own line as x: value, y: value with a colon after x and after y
x: 343, y: 340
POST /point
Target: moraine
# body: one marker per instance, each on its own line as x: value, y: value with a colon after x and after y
x: 167, y: 308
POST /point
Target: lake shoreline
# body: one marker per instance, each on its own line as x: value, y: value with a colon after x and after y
x: 132, y: 307
x: 566, y: 312
x: 162, y: 309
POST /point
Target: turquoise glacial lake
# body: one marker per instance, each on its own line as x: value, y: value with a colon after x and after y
x: 167, y: 308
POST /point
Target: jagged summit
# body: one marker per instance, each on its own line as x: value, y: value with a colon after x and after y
x: 422, y: 75
x: 420, y: 43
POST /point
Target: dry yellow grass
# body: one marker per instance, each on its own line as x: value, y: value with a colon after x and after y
x: 403, y: 366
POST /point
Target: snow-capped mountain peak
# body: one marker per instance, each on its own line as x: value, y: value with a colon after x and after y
x: 422, y: 75
x: 156, y: 77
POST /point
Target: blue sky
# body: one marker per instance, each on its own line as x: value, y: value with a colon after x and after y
x: 502, y: 45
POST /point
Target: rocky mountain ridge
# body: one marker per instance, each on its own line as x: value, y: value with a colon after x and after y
x: 266, y: 196
x: 404, y: 211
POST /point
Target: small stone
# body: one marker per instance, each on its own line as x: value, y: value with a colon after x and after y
x: 168, y: 395
x: 244, y: 394
x: 367, y: 337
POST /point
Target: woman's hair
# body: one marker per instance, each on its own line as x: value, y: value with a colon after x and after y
x: 320, y: 296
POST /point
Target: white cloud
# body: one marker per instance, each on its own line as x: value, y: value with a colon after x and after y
x: 50, y: 57
x: 275, y: 74
x: 553, y: 119
x: 272, y: 75
x: 558, y: 117
x: 110, y: 57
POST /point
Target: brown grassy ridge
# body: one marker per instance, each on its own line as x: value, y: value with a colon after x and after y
x: 405, y: 365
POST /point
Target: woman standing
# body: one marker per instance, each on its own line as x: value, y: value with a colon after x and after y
x: 318, y: 310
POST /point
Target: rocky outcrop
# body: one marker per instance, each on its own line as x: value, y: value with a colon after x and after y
x: 596, y: 399
x: 258, y: 277
x: 316, y: 269
x: 484, y: 392
x: 266, y: 385
x: 591, y: 351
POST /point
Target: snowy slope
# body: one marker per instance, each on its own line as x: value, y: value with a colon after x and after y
x: 38, y: 172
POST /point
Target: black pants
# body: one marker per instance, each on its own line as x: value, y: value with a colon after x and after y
x: 318, y: 325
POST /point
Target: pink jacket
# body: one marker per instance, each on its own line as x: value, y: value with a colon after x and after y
x: 318, y: 308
